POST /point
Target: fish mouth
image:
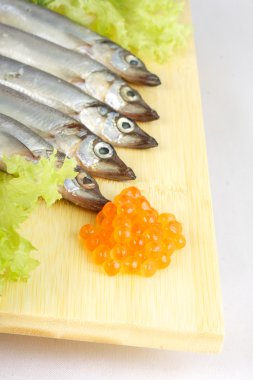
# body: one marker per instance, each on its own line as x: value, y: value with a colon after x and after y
x: 146, y: 143
x: 125, y: 175
x: 148, y: 79
x: 149, y: 115
x: 88, y: 200
x: 116, y: 174
x: 139, y: 140
x: 95, y: 202
x: 139, y: 112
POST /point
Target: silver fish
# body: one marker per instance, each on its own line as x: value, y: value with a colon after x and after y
x: 36, y: 144
x: 54, y: 92
x: 65, y: 134
x: 62, y: 31
x: 82, y: 191
x: 10, y: 146
x: 92, y: 77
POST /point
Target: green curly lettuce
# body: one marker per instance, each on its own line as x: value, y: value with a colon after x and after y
x: 20, y: 191
x: 150, y: 29
x: 16, y: 262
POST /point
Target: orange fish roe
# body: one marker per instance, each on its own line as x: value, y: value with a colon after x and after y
x: 131, y: 237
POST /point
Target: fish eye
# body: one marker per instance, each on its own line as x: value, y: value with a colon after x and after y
x: 87, y: 180
x: 125, y: 125
x: 132, y: 60
x: 103, y: 150
x: 129, y: 94
x: 83, y: 179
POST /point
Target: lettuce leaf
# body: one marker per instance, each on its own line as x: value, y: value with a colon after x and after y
x: 19, y: 194
x: 16, y: 262
x: 150, y: 29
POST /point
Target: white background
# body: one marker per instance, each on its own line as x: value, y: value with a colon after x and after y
x: 224, y: 39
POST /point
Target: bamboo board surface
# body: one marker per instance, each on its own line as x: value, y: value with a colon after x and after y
x: 180, y: 307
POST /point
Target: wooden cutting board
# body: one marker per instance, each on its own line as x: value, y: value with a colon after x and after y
x: 180, y: 307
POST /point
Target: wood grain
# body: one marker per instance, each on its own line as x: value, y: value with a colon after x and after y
x: 179, y: 308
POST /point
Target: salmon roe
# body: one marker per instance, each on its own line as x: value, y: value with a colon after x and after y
x: 130, y: 236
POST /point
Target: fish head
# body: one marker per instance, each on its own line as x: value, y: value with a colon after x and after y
x: 83, y: 191
x: 129, y: 102
x: 112, y: 90
x: 101, y: 159
x: 124, y: 63
x: 115, y: 128
x: 132, y: 136
x: 132, y: 68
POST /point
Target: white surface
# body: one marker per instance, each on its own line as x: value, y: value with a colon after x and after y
x: 224, y: 37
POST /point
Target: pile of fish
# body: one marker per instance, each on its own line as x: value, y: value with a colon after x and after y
x: 65, y: 87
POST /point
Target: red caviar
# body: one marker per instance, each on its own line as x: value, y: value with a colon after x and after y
x: 131, y: 237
